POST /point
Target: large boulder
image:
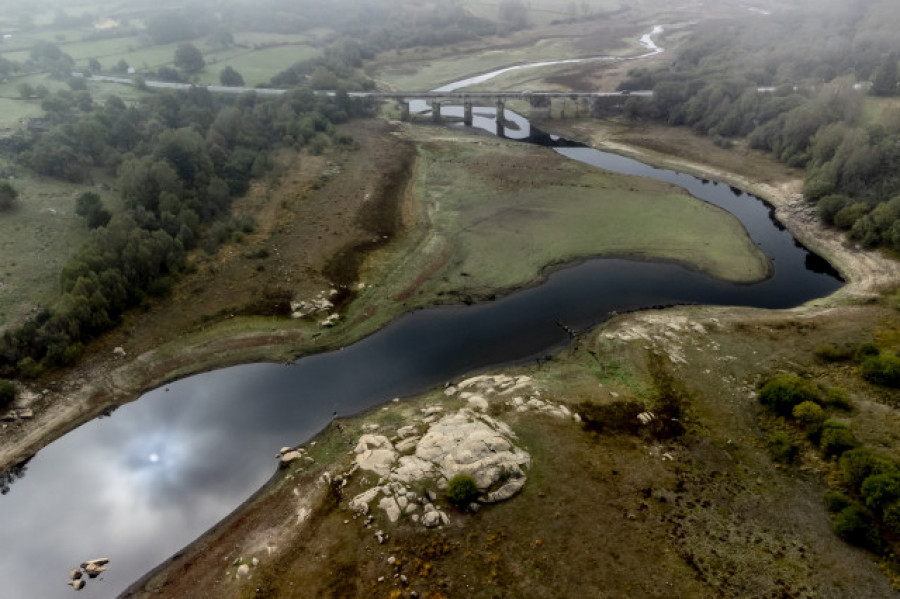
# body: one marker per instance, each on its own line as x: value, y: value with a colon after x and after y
x: 477, y: 445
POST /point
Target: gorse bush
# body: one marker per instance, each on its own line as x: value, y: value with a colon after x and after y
x: 462, y: 490
x: 785, y: 391
x: 836, y: 438
x: 883, y: 369
x: 855, y: 525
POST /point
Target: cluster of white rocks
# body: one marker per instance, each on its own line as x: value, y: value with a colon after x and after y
x: 316, y: 305
x: 517, y: 392
x: 463, y: 442
x: 436, y: 446
x: 91, y: 568
x: 665, y: 333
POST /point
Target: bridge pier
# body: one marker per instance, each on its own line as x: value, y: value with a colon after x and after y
x: 501, y: 109
x: 467, y: 112
x: 436, y: 111
x: 404, y: 110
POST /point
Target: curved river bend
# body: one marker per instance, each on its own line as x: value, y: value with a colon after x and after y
x: 141, y: 484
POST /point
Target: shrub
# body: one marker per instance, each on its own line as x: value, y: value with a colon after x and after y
x: 836, y: 438
x: 462, y: 490
x: 616, y: 417
x: 8, y: 392
x: 854, y: 525
x: 782, y: 448
x: 859, y: 464
x: 785, y: 391
x: 881, y: 490
x: 811, y: 416
x: 28, y: 368
x: 866, y: 350
x: 836, y: 502
x: 882, y: 370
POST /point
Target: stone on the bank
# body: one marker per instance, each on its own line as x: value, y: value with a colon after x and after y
x: 94, y: 570
x: 375, y: 453
x: 290, y: 456
x: 407, y: 444
x: 75, y: 574
x: 390, y: 507
x: 506, y: 491
x: 360, y: 503
x: 77, y: 584
x: 431, y: 519
x: 477, y: 402
x: 243, y: 570
x: 406, y: 431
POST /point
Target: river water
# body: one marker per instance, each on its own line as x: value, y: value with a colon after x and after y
x: 140, y: 484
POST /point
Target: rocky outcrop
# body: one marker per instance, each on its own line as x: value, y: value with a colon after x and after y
x: 462, y: 442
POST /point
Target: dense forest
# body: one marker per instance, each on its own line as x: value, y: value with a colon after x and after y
x: 797, y: 86
x: 179, y: 158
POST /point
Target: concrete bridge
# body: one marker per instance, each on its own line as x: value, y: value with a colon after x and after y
x: 537, y: 99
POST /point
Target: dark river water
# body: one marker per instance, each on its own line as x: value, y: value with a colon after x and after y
x: 140, y: 484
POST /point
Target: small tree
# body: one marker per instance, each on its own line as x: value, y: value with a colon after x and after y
x: 881, y: 490
x: 189, y: 59
x: 811, y: 416
x: 854, y: 525
x: 8, y: 196
x: 231, y: 78
x: 26, y: 91
x: 90, y: 206
x: 462, y: 490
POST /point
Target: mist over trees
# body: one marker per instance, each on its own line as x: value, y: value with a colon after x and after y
x: 179, y: 158
x: 795, y: 86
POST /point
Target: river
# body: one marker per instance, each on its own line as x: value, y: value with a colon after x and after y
x: 140, y: 484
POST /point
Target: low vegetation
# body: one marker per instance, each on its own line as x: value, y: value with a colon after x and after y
x: 865, y: 494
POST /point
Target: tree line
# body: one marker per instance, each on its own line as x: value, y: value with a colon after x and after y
x: 179, y: 158
x: 796, y: 86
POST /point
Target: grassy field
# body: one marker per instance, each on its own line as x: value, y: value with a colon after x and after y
x: 423, y: 75
x: 256, y: 66
x: 36, y: 240
x: 501, y: 212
